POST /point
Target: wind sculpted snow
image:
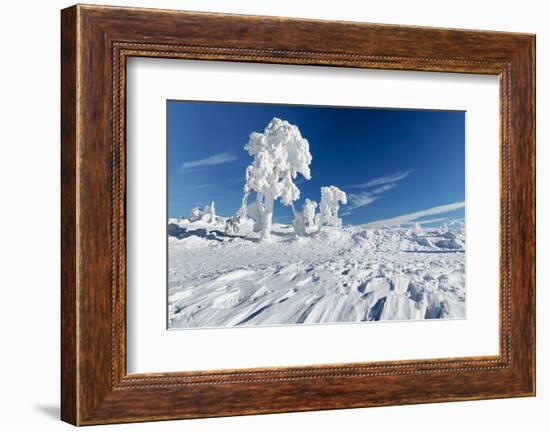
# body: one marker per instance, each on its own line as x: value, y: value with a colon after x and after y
x: 347, y: 274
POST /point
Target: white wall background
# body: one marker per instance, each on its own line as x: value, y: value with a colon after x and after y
x: 29, y: 218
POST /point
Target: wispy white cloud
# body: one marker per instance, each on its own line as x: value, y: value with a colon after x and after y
x: 216, y: 159
x: 375, y: 188
x: 360, y: 199
x: 428, y: 221
x: 412, y: 217
x: 357, y: 200
x: 386, y: 179
x: 216, y: 184
x: 383, y: 188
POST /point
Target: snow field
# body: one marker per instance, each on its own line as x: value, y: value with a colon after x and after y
x: 337, y: 275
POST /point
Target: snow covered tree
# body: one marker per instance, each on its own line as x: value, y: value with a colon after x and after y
x: 280, y: 153
x: 210, y: 213
x: 331, y: 197
x: 304, y: 220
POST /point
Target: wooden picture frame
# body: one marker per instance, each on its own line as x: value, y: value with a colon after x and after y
x: 96, y: 41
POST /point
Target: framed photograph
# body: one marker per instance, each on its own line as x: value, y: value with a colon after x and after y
x: 322, y: 214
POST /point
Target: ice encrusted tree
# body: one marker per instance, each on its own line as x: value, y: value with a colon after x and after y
x: 210, y: 212
x: 280, y: 153
x: 331, y: 197
x: 304, y: 221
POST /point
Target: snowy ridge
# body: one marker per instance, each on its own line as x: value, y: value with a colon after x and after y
x: 347, y: 274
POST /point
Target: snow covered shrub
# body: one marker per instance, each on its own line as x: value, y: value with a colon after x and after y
x: 232, y: 224
x: 208, y: 214
x: 196, y: 214
x: 280, y: 153
x: 331, y: 197
x: 309, y: 208
x: 304, y: 221
x: 257, y: 211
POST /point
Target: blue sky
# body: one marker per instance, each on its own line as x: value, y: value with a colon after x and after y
x: 396, y: 165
